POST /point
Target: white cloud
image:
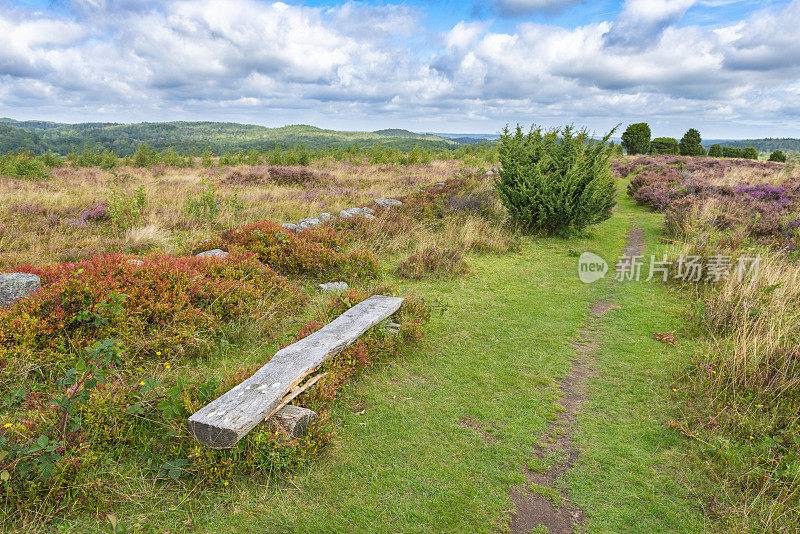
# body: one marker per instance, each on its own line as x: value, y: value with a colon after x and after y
x: 642, y: 22
x: 266, y: 62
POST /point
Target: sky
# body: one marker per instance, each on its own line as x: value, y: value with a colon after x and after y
x: 730, y: 68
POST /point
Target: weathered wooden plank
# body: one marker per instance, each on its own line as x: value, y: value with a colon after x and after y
x: 223, y: 422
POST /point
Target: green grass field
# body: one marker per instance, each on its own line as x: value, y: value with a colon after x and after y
x: 435, y: 441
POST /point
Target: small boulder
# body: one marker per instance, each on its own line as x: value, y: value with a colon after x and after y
x: 334, y: 287
x: 311, y: 222
x: 368, y: 211
x: 135, y: 262
x: 387, y: 202
x: 216, y: 253
x: 14, y: 286
x: 325, y: 217
x: 289, y: 226
x: 369, y: 216
x: 351, y: 212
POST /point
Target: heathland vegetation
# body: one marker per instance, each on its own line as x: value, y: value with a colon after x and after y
x: 428, y: 428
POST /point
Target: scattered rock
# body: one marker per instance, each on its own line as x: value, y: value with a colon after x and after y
x: 289, y: 226
x: 135, y: 262
x: 311, y: 222
x: 351, y: 212
x: 368, y: 211
x: 387, y: 202
x: 216, y: 253
x: 369, y: 216
x: 334, y: 287
x: 14, y: 286
x: 325, y: 217
x: 393, y: 328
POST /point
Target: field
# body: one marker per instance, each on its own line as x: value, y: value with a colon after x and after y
x: 513, y: 395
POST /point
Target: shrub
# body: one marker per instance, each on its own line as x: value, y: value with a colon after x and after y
x: 555, y: 182
x: 665, y: 145
x: 750, y: 153
x: 690, y: 144
x: 433, y: 262
x: 636, y: 139
x: 125, y: 207
x: 165, y: 303
x: 731, y: 152
x: 210, y: 202
x: 23, y: 164
x: 715, y: 151
x: 778, y: 156
x: 314, y: 253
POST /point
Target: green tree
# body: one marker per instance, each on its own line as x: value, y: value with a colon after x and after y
x: 557, y: 181
x: 636, y: 138
x: 778, y: 155
x: 750, y: 153
x: 690, y: 144
x: 715, y: 151
x: 731, y: 152
x: 664, y: 145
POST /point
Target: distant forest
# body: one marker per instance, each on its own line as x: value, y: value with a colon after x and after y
x: 767, y: 145
x: 197, y: 137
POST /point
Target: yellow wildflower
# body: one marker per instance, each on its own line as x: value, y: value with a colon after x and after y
x: 158, y: 353
x: 166, y: 365
x: 8, y: 425
x: 141, y: 383
x: 226, y: 482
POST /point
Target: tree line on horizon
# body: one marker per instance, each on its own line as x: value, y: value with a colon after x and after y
x: 637, y: 140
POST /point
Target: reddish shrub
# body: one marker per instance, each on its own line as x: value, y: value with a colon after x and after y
x: 166, y: 304
x: 310, y: 253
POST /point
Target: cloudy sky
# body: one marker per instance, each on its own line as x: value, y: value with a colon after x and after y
x: 728, y: 67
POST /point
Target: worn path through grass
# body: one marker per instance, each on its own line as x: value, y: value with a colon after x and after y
x: 437, y: 440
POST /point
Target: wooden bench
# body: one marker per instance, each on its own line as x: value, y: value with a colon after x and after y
x: 224, y: 421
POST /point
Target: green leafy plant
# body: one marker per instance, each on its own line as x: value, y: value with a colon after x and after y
x: 665, y: 145
x: 125, y: 207
x: 716, y: 151
x: 750, y: 153
x: 690, y: 144
x: 778, y: 155
x: 636, y: 138
x: 210, y: 202
x: 555, y: 182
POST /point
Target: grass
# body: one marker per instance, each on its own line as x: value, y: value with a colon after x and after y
x: 401, y: 460
x: 435, y: 440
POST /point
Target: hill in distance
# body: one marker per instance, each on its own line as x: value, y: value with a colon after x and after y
x: 184, y: 137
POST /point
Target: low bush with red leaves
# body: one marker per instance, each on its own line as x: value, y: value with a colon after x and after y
x: 166, y: 303
x: 317, y: 253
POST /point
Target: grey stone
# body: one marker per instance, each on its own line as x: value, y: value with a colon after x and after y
x: 14, y: 286
x: 369, y: 216
x: 216, y: 253
x: 311, y: 222
x: 290, y: 226
x: 325, y: 217
x: 351, y: 212
x: 368, y: 211
x: 387, y: 202
x: 135, y: 262
x: 334, y: 287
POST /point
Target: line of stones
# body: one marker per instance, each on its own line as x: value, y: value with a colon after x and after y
x: 14, y: 286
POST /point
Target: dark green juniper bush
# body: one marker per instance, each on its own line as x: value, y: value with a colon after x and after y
x: 555, y: 182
